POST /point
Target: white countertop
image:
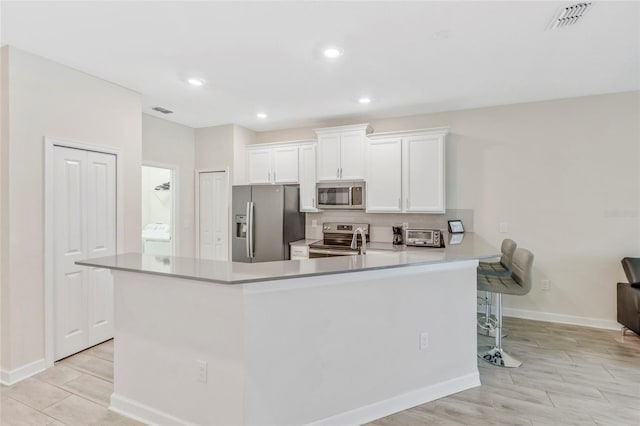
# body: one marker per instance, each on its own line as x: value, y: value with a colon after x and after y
x: 379, y: 257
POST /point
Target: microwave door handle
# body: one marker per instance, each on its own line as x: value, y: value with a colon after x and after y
x: 350, y: 196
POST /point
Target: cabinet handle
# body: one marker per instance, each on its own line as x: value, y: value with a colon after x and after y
x: 408, y: 203
x: 338, y: 172
x: 313, y: 202
x: 274, y: 177
x: 399, y: 203
x: 269, y: 177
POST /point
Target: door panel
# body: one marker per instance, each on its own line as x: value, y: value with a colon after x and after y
x: 259, y: 166
x: 241, y: 195
x: 101, y: 305
x: 285, y: 165
x: 84, y: 225
x: 70, y: 286
x: 328, y: 157
x: 213, y: 216
x: 384, y: 182
x: 268, y: 223
x: 352, y: 156
x: 101, y: 241
x: 424, y: 174
x: 308, y: 178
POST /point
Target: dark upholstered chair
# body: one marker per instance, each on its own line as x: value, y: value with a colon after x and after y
x: 519, y: 283
x: 501, y: 268
x: 629, y: 296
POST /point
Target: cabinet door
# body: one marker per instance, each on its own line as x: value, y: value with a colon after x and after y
x: 384, y: 178
x: 352, y: 155
x: 423, y: 169
x: 285, y: 165
x: 259, y: 165
x: 308, y: 178
x: 329, y: 157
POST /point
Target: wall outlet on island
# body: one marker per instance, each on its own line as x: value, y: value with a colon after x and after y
x: 424, y: 340
x: 545, y: 285
x: 202, y: 371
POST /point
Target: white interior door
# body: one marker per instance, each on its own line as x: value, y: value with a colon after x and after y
x: 84, y: 227
x: 213, y: 216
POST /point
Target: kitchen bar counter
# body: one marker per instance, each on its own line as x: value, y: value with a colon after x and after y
x: 329, y: 341
x: 380, y: 256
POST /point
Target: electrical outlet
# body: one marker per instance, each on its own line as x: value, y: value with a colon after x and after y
x: 202, y: 371
x: 424, y: 340
x: 545, y: 285
x: 314, y: 222
x: 504, y: 227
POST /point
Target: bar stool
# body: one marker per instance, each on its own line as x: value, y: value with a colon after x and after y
x: 502, y: 268
x: 519, y: 283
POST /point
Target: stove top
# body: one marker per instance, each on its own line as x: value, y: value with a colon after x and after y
x: 337, y: 236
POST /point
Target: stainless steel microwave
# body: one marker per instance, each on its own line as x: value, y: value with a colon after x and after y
x: 341, y: 195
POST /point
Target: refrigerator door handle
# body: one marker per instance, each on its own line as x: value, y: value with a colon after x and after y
x: 251, y: 231
x: 248, y: 237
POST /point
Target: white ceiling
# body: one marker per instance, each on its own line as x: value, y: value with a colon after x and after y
x: 409, y: 57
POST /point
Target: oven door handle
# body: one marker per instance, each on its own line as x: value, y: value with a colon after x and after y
x: 333, y: 252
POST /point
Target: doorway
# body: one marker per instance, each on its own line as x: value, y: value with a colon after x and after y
x: 212, y: 210
x: 158, y: 194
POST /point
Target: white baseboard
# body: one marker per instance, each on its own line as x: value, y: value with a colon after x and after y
x: 562, y: 318
x: 10, y: 377
x: 398, y: 403
x: 151, y: 416
x: 559, y: 318
x: 142, y: 413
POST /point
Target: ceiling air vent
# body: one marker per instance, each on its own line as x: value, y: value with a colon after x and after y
x: 569, y: 15
x: 162, y: 110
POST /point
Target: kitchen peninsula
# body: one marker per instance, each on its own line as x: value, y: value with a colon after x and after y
x: 340, y: 340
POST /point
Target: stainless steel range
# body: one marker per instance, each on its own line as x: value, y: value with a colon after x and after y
x: 338, y: 238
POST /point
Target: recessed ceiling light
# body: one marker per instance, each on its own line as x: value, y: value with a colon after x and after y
x: 261, y: 115
x: 364, y: 100
x: 195, y: 82
x: 332, y: 52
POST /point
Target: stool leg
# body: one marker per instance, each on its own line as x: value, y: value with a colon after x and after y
x: 486, y: 324
x: 495, y: 354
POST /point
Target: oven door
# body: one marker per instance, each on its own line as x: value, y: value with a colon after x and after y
x: 315, y: 253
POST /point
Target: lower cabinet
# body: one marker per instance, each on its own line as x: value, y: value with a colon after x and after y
x: 299, y: 252
x: 406, y: 172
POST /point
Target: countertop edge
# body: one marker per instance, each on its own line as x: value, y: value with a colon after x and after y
x: 278, y: 278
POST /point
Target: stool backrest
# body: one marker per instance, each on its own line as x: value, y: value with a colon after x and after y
x: 523, y: 269
x: 508, y: 248
x: 631, y: 266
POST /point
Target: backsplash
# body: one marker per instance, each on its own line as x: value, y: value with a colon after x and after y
x: 381, y: 223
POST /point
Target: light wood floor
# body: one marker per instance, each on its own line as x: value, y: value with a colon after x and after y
x: 570, y: 376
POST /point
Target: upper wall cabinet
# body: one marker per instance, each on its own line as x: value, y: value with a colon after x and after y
x: 406, y: 172
x: 341, y: 152
x: 275, y: 164
x: 307, y: 164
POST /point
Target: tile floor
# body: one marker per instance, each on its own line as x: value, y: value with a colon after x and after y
x: 571, y: 376
x: 75, y: 391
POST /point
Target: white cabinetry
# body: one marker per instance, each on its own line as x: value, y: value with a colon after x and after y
x: 341, y: 152
x: 406, y: 172
x: 384, y: 179
x: 307, y: 165
x: 273, y: 164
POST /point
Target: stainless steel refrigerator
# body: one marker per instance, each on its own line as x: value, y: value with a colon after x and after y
x: 266, y: 218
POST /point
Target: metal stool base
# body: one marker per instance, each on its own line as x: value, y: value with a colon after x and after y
x: 488, y: 328
x: 498, y: 357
